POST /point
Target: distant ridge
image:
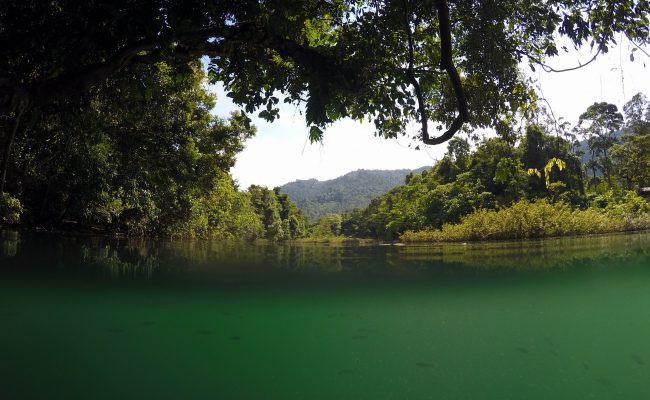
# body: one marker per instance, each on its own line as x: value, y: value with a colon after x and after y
x: 352, y: 190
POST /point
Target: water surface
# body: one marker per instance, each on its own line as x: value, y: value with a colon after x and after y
x: 101, y: 318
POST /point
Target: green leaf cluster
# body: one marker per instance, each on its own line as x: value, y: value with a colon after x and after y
x: 10, y: 210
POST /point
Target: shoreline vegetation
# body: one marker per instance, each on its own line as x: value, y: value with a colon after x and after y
x: 534, y: 220
x: 522, y: 220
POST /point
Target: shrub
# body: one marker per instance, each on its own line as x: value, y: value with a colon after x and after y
x: 10, y: 209
x: 525, y: 219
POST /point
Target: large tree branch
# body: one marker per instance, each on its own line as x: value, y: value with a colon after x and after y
x: 330, y: 69
x: 192, y: 44
x: 220, y: 41
x: 637, y: 45
x: 82, y: 79
x: 447, y: 64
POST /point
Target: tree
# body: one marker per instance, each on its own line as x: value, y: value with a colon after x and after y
x: 458, y: 150
x: 280, y: 217
x: 534, y: 155
x: 511, y: 176
x: 225, y: 213
x: 393, y: 61
x: 448, y: 203
x: 599, y: 125
x: 484, y: 161
x: 267, y: 208
x: 293, y: 221
x: 327, y: 225
x: 631, y: 160
x: 637, y: 115
x: 537, y: 149
x: 446, y: 169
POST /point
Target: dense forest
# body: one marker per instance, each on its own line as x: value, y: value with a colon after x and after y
x: 352, y: 190
x: 533, y: 171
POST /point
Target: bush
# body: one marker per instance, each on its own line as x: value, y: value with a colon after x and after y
x: 525, y: 219
x: 10, y: 209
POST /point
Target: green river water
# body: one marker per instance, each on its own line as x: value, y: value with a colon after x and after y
x: 102, y: 318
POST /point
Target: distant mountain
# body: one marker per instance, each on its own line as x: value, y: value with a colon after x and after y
x: 352, y: 190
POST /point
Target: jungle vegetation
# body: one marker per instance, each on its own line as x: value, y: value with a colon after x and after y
x: 532, y: 185
x: 142, y: 155
x: 105, y: 118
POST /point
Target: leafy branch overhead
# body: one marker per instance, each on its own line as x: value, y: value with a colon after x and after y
x: 392, y: 62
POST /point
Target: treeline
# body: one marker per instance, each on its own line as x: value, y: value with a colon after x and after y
x: 141, y: 155
x: 542, y: 164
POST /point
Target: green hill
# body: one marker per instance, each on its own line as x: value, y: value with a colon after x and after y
x: 352, y: 190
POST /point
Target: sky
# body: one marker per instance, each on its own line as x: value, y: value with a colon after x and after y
x: 281, y: 152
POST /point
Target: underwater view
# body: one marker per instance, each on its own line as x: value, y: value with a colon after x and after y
x: 105, y: 318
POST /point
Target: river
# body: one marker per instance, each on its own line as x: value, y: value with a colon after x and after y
x: 105, y: 318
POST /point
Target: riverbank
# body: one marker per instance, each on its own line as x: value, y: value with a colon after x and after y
x: 522, y: 220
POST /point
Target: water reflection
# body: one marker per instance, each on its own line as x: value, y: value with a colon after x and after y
x: 144, y: 258
x: 9, y: 243
x: 536, y: 254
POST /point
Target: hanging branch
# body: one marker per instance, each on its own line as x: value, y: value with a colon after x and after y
x: 410, y: 74
x: 636, y: 45
x: 548, y: 68
x: 446, y: 64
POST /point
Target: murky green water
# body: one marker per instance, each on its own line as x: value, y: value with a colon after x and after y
x: 97, y: 318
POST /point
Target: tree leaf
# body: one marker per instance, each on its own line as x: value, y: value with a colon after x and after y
x: 315, y: 134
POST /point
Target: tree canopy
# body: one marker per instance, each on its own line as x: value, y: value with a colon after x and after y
x: 392, y: 61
